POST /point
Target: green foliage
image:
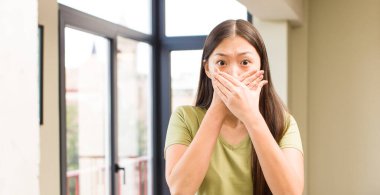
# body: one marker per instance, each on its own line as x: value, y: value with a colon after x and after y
x: 72, y: 137
x: 72, y: 156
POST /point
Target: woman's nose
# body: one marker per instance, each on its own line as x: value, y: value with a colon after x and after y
x: 234, y: 70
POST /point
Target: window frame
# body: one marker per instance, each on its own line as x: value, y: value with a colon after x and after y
x: 69, y: 17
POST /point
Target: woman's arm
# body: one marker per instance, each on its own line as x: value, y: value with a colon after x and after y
x: 283, y: 169
x: 186, y: 166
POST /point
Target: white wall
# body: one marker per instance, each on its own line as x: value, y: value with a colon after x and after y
x: 19, y: 131
x: 275, y: 36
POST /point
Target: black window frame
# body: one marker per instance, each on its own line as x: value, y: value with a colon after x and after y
x: 69, y: 17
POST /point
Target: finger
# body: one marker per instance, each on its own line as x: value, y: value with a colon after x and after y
x: 247, y: 74
x: 222, y: 96
x: 253, y: 77
x: 218, y: 90
x: 225, y: 82
x: 230, y: 78
x: 222, y: 87
x: 254, y: 84
x: 262, y: 83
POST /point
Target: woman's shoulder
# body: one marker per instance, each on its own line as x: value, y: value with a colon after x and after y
x: 291, y: 137
x: 190, y: 114
x: 289, y: 119
x: 189, y: 110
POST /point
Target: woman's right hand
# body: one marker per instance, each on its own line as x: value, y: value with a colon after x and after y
x: 217, y: 103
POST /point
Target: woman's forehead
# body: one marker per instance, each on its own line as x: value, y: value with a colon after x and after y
x: 235, y: 45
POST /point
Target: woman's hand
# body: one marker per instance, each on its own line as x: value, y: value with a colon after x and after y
x: 217, y: 103
x: 241, y: 96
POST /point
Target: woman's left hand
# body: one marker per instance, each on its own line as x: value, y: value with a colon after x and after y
x: 241, y: 96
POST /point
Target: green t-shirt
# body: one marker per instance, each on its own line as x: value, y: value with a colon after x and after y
x: 229, y: 171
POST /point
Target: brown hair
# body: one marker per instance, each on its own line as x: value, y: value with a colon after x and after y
x: 270, y: 105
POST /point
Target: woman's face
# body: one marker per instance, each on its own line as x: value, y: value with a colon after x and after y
x: 234, y: 56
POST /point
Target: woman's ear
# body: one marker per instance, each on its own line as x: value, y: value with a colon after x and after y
x: 207, y: 69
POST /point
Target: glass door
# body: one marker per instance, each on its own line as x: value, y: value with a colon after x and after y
x: 134, y: 60
x: 87, y: 102
x: 105, y: 105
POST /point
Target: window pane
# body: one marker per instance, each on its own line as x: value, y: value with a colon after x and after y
x: 87, y: 112
x: 185, y: 68
x: 134, y: 60
x: 130, y: 13
x: 198, y: 17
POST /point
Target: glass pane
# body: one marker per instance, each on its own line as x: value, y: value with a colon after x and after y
x: 185, y: 69
x: 198, y: 17
x: 87, y: 112
x: 134, y: 60
x: 132, y: 14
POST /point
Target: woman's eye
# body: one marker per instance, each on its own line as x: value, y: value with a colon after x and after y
x: 245, y: 62
x: 221, y: 63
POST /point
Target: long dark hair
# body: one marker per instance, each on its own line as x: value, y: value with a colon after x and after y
x: 270, y: 105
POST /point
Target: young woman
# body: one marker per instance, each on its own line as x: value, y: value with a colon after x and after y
x: 239, y: 138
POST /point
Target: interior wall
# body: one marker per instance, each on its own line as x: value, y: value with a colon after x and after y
x: 343, y: 97
x: 298, y: 84
x: 275, y: 36
x: 49, y: 131
x: 19, y: 132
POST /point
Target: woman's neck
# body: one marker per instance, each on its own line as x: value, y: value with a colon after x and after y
x: 231, y: 121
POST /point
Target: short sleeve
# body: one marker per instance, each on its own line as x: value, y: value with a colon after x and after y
x: 292, y: 137
x: 178, y: 131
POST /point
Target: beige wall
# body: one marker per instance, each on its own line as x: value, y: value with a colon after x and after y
x: 49, y: 131
x: 336, y: 97
x: 298, y: 84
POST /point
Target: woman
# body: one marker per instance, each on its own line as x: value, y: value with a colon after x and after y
x: 239, y: 137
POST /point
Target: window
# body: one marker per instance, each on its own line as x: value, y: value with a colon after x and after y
x: 185, y: 69
x: 106, y: 89
x: 134, y: 123
x: 121, y: 12
x: 187, y: 24
x: 199, y: 17
x: 87, y: 107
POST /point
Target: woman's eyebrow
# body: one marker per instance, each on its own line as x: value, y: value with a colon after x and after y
x: 239, y: 54
x: 220, y: 54
x: 244, y: 53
